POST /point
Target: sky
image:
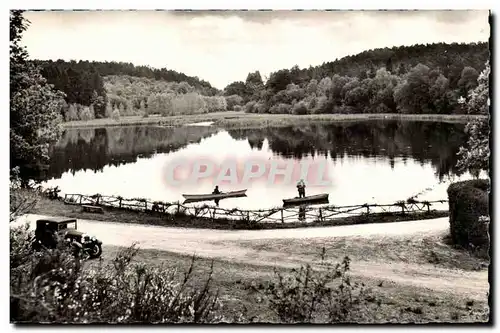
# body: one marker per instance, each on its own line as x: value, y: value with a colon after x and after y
x: 224, y: 46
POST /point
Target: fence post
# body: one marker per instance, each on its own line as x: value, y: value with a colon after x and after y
x: 367, y: 209
x: 320, y: 215
x: 120, y: 202
x: 248, y: 215
x: 80, y: 198
x: 178, y: 207
x: 282, y: 219
x: 428, y: 207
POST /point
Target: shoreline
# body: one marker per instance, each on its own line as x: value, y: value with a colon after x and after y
x: 238, y: 119
x: 50, y: 207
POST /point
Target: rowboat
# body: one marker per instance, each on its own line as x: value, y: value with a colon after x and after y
x: 317, y: 197
x: 199, y: 197
x: 307, y: 203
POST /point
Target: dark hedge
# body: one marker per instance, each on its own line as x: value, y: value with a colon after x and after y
x: 468, y: 200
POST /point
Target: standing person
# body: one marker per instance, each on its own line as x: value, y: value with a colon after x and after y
x: 301, y: 187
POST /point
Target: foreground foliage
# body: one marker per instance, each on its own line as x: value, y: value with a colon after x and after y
x: 475, y: 155
x: 55, y: 286
x: 469, y: 214
x: 34, y: 108
x: 324, y: 295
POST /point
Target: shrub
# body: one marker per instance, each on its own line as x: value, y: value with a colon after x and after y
x: 71, y: 113
x: 316, y: 295
x: 468, y: 201
x: 116, y: 114
x: 280, y: 108
x: 86, y: 113
x: 250, y: 107
x: 54, y: 286
x: 300, y: 108
x: 237, y: 108
x: 233, y: 101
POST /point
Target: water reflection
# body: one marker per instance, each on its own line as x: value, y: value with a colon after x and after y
x: 421, y: 141
x: 93, y: 149
x: 368, y: 162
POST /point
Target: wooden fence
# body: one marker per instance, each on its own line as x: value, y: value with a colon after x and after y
x: 271, y: 215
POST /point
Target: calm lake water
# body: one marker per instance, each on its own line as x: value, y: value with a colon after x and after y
x: 366, y: 162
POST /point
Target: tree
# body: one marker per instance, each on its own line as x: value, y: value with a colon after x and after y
x: 479, y: 97
x: 236, y: 88
x: 279, y: 80
x: 441, y: 96
x: 99, y: 104
x: 233, y: 101
x: 109, y: 110
x: 468, y: 81
x: 475, y: 155
x: 312, y: 87
x: 34, y: 109
x: 121, y: 108
x: 115, y: 114
x: 142, y: 107
x: 412, y: 95
x: 254, y: 83
x: 72, y: 113
x: 382, y: 91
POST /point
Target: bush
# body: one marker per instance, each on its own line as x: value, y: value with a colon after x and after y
x: 280, y: 108
x: 86, y: 114
x: 54, y: 286
x: 300, y: 108
x: 250, y: 107
x: 317, y: 296
x: 116, y: 114
x: 468, y: 201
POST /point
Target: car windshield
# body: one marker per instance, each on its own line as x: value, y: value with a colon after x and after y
x: 71, y: 225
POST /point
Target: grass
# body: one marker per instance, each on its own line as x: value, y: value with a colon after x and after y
x: 49, y: 207
x: 433, y: 249
x: 239, y: 119
x: 392, y: 302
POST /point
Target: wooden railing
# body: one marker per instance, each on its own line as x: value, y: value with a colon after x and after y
x: 271, y: 215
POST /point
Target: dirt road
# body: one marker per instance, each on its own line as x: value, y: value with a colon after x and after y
x: 224, y: 244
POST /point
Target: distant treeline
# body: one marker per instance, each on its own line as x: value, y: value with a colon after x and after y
x: 111, y: 89
x: 431, y: 78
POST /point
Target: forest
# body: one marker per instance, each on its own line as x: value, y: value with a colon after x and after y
x: 111, y: 90
x: 419, y: 79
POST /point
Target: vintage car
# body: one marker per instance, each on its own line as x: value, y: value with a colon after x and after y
x: 49, y: 232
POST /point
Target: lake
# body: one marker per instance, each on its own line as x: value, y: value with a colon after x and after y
x: 365, y: 161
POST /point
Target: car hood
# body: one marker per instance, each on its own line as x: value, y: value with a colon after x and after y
x: 72, y: 232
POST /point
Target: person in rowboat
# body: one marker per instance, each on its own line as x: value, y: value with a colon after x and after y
x: 301, y: 187
x: 216, y: 190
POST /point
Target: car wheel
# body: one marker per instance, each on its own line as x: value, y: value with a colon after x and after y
x: 95, y: 251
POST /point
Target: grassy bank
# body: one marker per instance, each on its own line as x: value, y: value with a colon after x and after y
x: 45, y: 206
x: 233, y: 119
x: 392, y: 302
